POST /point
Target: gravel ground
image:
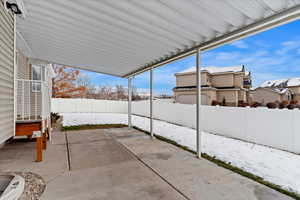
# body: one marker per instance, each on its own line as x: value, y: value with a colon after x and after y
x: 34, y: 185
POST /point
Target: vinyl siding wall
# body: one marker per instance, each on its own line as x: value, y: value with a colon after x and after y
x: 6, y: 74
x: 32, y: 104
x: 265, y: 96
x: 190, y: 80
x: 223, y: 80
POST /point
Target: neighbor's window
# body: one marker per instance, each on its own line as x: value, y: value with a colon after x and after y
x: 36, y: 77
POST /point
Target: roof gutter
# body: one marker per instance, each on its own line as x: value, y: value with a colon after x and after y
x: 283, y: 17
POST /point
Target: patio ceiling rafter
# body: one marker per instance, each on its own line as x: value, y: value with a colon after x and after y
x: 260, y: 26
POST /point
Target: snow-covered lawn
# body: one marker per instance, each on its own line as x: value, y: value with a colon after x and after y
x: 276, y: 166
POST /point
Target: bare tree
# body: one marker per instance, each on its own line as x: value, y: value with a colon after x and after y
x: 105, y: 92
x: 85, y: 81
x: 135, y: 94
x: 120, y: 92
x: 64, y: 83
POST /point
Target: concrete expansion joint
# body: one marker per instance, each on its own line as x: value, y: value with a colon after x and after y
x: 68, y: 150
x: 149, y: 167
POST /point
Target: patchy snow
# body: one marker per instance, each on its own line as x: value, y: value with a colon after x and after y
x: 282, y: 83
x: 276, y: 166
x: 73, y: 119
x: 280, y: 90
x: 277, y: 90
x: 273, y: 83
x: 293, y: 82
x: 213, y: 69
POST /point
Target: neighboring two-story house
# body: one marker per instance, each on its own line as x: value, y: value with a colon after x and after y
x: 277, y: 91
x: 221, y: 84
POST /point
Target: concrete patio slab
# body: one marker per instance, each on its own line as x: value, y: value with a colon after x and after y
x: 125, y: 164
x: 96, y: 154
x: 87, y: 136
x: 58, y: 137
x: 125, y: 180
x: 20, y: 156
x: 196, y: 178
x: 101, y: 168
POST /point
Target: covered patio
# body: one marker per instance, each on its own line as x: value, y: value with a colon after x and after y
x: 124, y: 39
x: 122, y: 163
x: 127, y: 38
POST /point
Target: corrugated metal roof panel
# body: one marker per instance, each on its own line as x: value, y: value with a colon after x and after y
x: 120, y: 37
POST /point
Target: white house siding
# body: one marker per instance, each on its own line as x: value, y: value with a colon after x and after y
x: 29, y: 103
x: 23, y: 88
x: 23, y: 68
x: 6, y: 74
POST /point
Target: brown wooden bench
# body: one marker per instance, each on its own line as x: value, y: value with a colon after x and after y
x: 26, y: 128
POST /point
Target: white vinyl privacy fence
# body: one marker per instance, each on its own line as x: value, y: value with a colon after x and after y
x: 271, y: 127
x: 60, y: 105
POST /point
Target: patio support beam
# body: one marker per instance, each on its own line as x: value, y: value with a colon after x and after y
x: 129, y: 101
x: 198, y: 107
x: 151, y: 103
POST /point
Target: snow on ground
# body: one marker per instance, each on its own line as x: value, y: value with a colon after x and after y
x: 73, y: 119
x: 276, y: 166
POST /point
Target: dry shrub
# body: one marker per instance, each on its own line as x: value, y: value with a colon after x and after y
x: 272, y: 105
x: 291, y: 106
x: 282, y: 105
x: 242, y: 104
x: 294, y: 102
x: 255, y: 104
x: 215, y: 103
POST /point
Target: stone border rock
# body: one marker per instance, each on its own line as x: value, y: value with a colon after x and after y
x: 34, y: 185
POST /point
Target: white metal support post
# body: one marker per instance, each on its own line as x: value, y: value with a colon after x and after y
x: 198, y: 109
x: 151, y: 104
x: 129, y: 101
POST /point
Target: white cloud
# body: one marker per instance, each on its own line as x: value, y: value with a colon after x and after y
x: 240, y: 44
x: 288, y: 46
x: 227, y: 55
x: 248, y: 58
x: 260, y: 43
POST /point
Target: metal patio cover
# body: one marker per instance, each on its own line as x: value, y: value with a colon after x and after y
x: 122, y: 37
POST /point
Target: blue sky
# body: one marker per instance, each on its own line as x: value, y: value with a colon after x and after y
x: 273, y: 54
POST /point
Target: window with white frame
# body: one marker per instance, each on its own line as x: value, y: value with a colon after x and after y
x: 36, y: 75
